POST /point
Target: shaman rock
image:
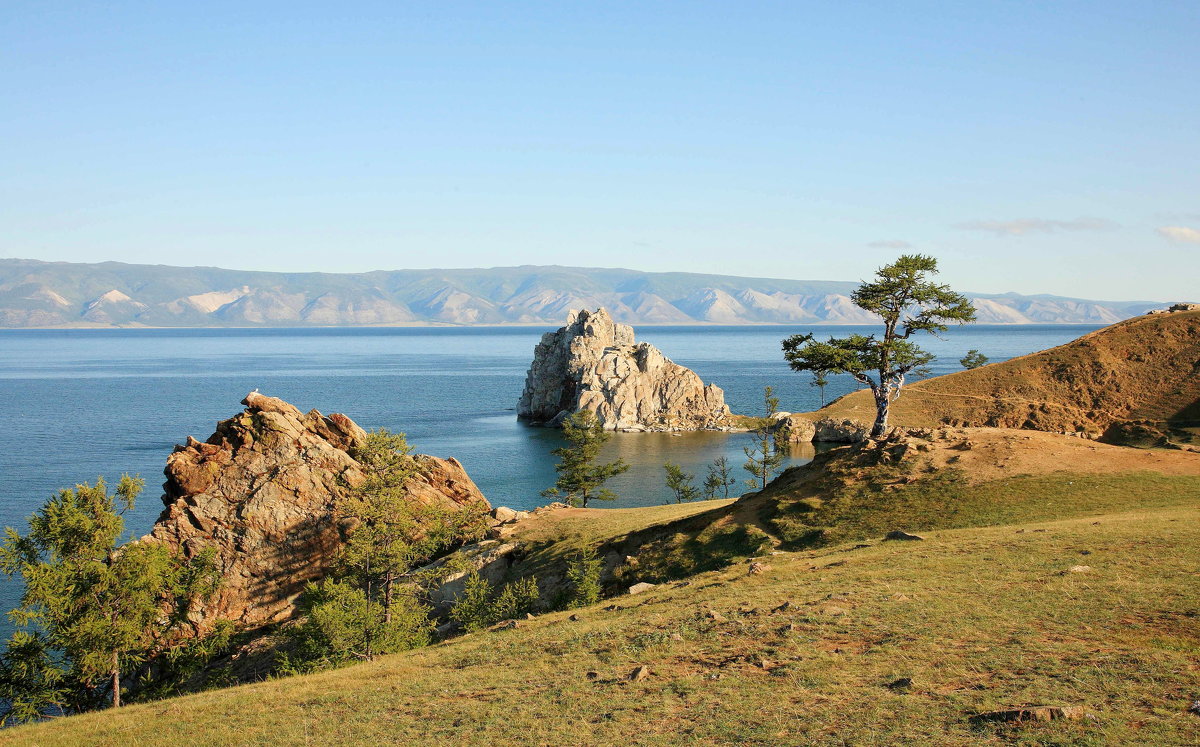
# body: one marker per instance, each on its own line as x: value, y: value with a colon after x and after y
x: 594, y: 364
x: 261, y: 493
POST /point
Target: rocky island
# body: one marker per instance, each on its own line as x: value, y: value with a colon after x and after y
x: 594, y: 364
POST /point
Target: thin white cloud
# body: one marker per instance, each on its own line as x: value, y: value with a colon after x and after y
x: 1022, y: 226
x: 890, y: 244
x: 1180, y: 234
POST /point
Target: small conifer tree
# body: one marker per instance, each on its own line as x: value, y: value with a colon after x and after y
x: 765, y: 456
x: 580, y: 479
x: 681, y: 483
x: 92, y: 609
x: 719, y: 479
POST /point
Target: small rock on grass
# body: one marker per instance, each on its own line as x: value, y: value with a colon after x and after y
x: 1031, y: 713
x: 896, y: 534
x: 574, y: 618
x: 716, y: 616
x: 640, y: 587
x: 758, y: 567
x: 639, y: 674
x: 676, y: 637
x: 1080, y: 569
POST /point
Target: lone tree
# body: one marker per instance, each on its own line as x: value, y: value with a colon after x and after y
x: 973, y: 359
x: 91, y: 609
x: 766, y: 455
x: 680, y: 483
x: 580, y: 479
x: 909, y: 303
x: 390, y: 534
x: 820, y: 381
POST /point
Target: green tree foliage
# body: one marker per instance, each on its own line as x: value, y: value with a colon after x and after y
x: 973, y: 359
x: 580, y: 479
x: 820, y: 381
x: 341, y: 624
x: 481, y: 606
x: 680, y: 483
x: 719, y: 479
x: 908, y: 303
x: 92, y: 609
x: 583, y: 577
x: 390, y: 534
x: 764, y: 458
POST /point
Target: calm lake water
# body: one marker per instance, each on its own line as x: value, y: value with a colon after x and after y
x: 78, y: 404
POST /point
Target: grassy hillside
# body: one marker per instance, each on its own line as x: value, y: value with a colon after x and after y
x: 1134, y: 381
x: 976, y: 619
x: 1068, y: 588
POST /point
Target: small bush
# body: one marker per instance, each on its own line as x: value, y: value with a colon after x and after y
x: 342, y: 625
x: 583, y: 577
x: 481, y: 606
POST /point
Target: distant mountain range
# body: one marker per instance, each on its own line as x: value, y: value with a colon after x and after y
x: 50, y: 294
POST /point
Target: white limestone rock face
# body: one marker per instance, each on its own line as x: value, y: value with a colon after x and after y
x: 594, y: 364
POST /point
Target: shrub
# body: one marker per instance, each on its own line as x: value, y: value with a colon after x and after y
x: 583, y: 577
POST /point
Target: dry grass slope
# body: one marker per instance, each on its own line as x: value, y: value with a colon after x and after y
x: 976, y: 619
x: 1132, y: 381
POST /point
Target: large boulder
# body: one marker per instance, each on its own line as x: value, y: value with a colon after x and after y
x: 594, y: 364
x: 840, y: 431
x: 261, y: 493
x: 799, y: 429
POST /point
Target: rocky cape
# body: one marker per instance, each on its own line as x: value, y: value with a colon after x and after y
x: 261, y: 493
x: 1135, y: 382
x: 593, y: 363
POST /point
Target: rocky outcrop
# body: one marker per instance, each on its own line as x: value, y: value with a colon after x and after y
x: 261, y: 492
x: 594, y: 364
x: 797, y: 429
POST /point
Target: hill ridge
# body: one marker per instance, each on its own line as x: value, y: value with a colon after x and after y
x: 35, y: 293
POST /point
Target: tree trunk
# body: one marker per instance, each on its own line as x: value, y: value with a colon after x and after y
x: 367, y: 614
x: 387, y: 597
x: 116, y: 680
x: 882, y: 403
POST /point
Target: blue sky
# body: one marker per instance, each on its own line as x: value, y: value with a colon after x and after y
x: 1032, y: 147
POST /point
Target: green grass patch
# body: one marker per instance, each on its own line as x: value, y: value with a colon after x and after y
x: 947, y: 500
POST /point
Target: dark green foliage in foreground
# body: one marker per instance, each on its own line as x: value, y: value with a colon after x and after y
x: 392, y: 534
x: 481, y: 606
x: 92, y: 611
x: 341, y: 624
x: 583, y: 577
x: 360, y: 612
x: 580, y: 479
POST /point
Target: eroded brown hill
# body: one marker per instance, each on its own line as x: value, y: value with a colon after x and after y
x: 1134, y: 381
